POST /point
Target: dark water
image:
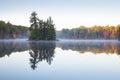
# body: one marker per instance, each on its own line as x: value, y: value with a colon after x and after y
x: 59, y: 60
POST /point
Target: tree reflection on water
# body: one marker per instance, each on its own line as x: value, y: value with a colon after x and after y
x: 41, y: 51
x: 44, y: 50
x: 94, y: 47
x: 7, y: 47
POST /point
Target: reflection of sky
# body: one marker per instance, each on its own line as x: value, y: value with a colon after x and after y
x: 67, y: 65
x: 65, y: 13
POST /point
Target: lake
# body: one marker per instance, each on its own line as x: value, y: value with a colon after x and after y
x: 60, y: 60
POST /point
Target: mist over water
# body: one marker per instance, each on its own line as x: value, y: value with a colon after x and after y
x: 61, y: 60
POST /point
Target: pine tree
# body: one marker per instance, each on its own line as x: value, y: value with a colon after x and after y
x: 41, y: 30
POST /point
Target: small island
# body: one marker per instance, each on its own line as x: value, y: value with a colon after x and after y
x: 41, y: 30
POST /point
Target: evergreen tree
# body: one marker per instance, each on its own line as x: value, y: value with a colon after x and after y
x: 34, y: 26
x: 41, y: 30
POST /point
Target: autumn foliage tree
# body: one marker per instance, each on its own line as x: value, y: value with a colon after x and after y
x: 94, y: 32
x: 118, y: 32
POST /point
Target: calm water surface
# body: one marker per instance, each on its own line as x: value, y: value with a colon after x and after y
x: 60, y: 60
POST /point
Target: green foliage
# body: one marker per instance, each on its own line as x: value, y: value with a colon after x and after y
x: 7, y: 30
x: 41, y: 30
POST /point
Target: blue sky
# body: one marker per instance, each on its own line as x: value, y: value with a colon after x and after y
x: 65, y: 13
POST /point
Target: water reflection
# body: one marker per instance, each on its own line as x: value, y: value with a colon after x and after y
x: 44, y: 51
x: 7, y: 47
x: 40, y: 51
x: 94, y: 47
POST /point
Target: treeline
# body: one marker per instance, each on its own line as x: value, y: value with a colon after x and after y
x: 94, y: 32
x: 8, y: 30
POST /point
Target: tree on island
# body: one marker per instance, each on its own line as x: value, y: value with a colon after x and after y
x: 41, y: 30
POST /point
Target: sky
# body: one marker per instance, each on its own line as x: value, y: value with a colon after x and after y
x: 65, y: 13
